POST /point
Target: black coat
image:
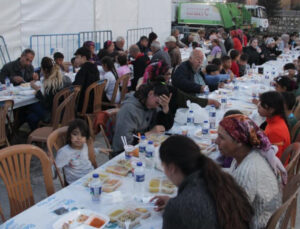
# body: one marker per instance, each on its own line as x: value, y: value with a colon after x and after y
x: 87, y: 75
x: 139, y: 66
x: 13, y: 69
x: 254, y: 56
x: 228, y: 43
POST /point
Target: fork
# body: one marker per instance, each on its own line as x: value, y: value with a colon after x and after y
x: 127, y: 223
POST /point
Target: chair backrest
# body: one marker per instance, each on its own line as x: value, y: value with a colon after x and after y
x: 58, y: 138
x: 121, y: 82
x: 64, y: 112
x: 2, y: 215
x: 294, y: 131
x: 292, y: 154
x: 296, y: 109
x: 291, y: 188
x: 63, y: 94
x: 4, y: 107
x: 15, y: 173
x: 97, y: 88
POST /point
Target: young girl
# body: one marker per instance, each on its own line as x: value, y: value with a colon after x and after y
x: 271, y: 106
x: 111, y: 76
x: 73, y: 157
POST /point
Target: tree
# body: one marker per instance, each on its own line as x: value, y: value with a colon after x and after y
x: 238, y: 1
x: 271, y: 6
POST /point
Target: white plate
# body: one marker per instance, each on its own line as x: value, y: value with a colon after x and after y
x: 3, y: 98
x: 72, y: 216
x: 27, y: 92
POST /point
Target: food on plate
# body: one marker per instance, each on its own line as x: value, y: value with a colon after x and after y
x: 129, y: 215
x: 110, y: 185
x: 124, y: 162
x: 142, y: 210
x: 25, y: 85
x: 116, y: 213
x: 118, y: 170
x: 65, y: 226
x: 164, y: 186
x: 213, y: 131
x: 167, y: 187
x: 82, y: 218
x: 102, y: 177
x: 135, y: 152
x: 97, y: 222
x: 203, y: 146
x: 154, y: 185
x: 198, y: 134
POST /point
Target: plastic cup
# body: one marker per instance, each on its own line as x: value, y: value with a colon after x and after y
x: 128, y: 151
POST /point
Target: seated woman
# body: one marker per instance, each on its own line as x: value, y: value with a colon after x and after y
x: 53, y: 82
x: 205, y: 192
x: 140, y: 113
x: 271, y: 106
x: 108, y: 50
x: 240, y: 138
x: 284, y: 84
x: 111, y: 76
x: 254, y: 53
x: 216, y: 50
x: 91, y: 46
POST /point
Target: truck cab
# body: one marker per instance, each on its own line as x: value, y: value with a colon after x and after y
x: 258, y: 16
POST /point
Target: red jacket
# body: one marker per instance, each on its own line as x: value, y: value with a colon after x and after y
x: 237, y: 45
x: 235, y: 69
x: 278, y: 133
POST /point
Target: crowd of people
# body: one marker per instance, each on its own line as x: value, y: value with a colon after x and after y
x: 208, y: 197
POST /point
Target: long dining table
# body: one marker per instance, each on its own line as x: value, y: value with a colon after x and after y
x: 76, y: 196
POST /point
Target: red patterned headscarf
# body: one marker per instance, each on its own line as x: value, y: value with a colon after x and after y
x: 242, y: 129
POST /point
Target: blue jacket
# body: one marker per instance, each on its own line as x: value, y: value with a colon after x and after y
x: 213, y: 80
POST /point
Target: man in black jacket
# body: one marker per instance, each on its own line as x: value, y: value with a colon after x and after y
x: 139, y: 64
x: 20, y: 70
x: 87, y: 75
x: 188, y: 76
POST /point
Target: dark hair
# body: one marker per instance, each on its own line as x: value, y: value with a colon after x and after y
x: 73, y: 60
x: 159, y: 88
x: 273, y: 99
x: 157, y: 70
x: 232, y: 112
x: 185, y: 154
x: 47, y: 65
x: 58, y: 55
x: 81, y: 125
x: 225, y: 58
x: 298, y: 57
x: 289, y: 66
x: 195, y: 44
x: 234, y: 54
x: 285, y: 81
x: 143, y: 38
x: 216, y: 41
x: 244, y: 57
x: 211, y: 68
x: 83, y: 51
x: 109, y: 63
x: 289, y: 99
x: 152, y: 36
x: 122, y: 59
x: 217, y: 61
x: 27, y: 51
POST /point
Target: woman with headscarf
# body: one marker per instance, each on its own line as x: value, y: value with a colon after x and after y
x: 108, y: 50
x: 269, y: 50
x: 284, y: 43
x: 239, y: 137
x: 90, y: 45
x: 152, y: 37
x: 237, y: 44
x: 254, y: 53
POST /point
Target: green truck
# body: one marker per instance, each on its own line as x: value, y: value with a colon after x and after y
x: 227, y: 15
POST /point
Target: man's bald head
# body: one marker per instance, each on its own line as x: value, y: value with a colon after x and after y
x: 196, y: 59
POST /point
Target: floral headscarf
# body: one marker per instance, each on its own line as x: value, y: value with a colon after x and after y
x: 155, y: 69
x: 244, y: 130
x: 87, y: 44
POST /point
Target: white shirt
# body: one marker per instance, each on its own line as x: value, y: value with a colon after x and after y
x: 75, y: 162
x: 110, y: 85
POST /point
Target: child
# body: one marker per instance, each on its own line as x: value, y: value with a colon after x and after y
x: 242, y: 63
x: 213, y: 77
x: 291, y: 70
x: 59, y: 60
x: 123, y: 69
x: 289, y: 102
x: 235, y: 55
x: 271, y: 106
x: 226, y: 65
x: 73, y: 157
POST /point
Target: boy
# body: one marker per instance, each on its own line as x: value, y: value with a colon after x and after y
x: 59, y: 60
x: 213, y: 78
x: 243, y: 64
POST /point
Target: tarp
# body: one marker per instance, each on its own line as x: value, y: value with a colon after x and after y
x: 21, y: 18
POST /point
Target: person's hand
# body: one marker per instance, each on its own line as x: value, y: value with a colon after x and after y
x: 158, y: 129
x: 35, y: 76
x: 214, y: 102
x: 160, y: 202
x: 34, y: 86
x: 18, y: 79
x: 221, y: 85
x: 164, y: 102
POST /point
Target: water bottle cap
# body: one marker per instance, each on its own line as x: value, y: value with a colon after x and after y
x: 191, y: 111
x: 139, y: 163
x: 212, y: 106
x: 95, y: 175
x: 143, y: 137
x: 150, y: 142
x: 205, y: 121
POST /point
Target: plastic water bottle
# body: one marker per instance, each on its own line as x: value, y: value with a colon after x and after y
x: 223, y: 102
x: 205, y: 128
x: 139, y: 177
x: 95, y: 187
x: 7, y: 85
x: 206, y: 91
x: 212, y: 117
x: 142, y: 147
x: 190, y: 118
x: 254, y: 68
x: 150, y: 155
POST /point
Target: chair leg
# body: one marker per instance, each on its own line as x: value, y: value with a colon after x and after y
x: 293, y: 214
x: 59, y: 175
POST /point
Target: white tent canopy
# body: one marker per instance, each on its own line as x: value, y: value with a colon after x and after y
x: 19, y: 19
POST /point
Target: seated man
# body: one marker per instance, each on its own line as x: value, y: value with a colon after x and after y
x: 226, y: 65
x: 188, y: 76
x: 139, y: 63
x: 59, y: 60
x: 243, y: 61
x: 87, y: 75
x: 159, y: 54
x: 213, y: 78
x: 173, y: 51
x: 175, y: 33
x: 20, y: 70
x: 119, y: 44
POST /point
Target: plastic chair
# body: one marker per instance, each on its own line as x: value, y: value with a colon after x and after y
x: 15, y: 173
x: 97, y: 88
x: 4, y: 107
x: 292, y: 155
x: 2, y: 215
x: 61, y: 118
x: 294, y: 136
x: 121, y: 82
x: 287, y: 212
x: 57, y: 139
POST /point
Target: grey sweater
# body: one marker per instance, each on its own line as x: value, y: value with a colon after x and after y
x: 134, y: 118
x: 192, y: 208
